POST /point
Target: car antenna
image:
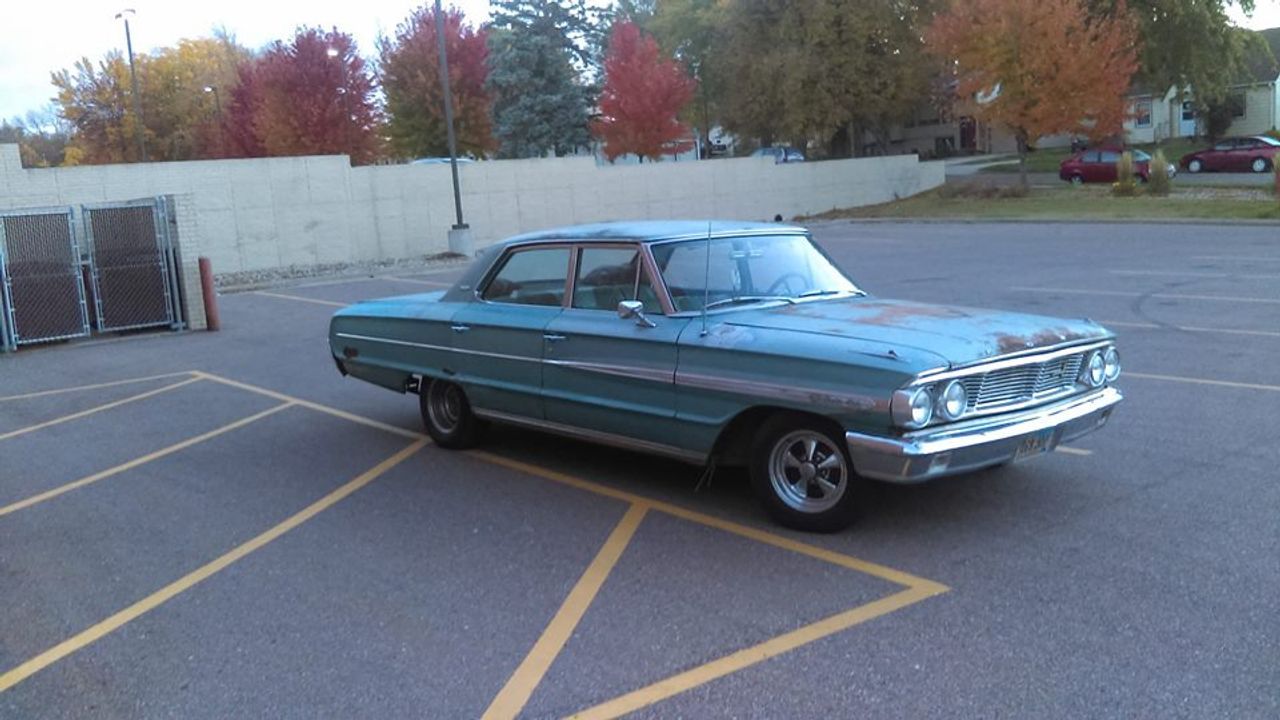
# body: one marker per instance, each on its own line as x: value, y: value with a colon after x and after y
x: 706, y: 282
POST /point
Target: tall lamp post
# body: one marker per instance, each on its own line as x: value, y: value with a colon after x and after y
x: 460, y: 233
x: 217, y: 107
x: 133, y: 81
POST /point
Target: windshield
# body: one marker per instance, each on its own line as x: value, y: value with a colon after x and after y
x: 1269, y: 140
x: 1140, y: 156
x: 743, y: 270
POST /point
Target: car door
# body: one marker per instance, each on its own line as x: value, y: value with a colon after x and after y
x: 1219, y: 156
x: 605, y: 373
x: 498, y: 339
x: 1106, y: 166
x: 1242, y: 158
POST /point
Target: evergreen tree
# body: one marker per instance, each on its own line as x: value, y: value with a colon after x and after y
x: 537, y: 52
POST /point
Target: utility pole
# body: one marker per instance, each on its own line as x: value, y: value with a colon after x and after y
x: 133, y: 80
x: 460, y: 233
x: 217, y: 105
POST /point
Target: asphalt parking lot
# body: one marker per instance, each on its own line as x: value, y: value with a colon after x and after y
x: 218, y: 525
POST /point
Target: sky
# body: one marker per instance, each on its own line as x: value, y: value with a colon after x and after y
x: 37, y: 38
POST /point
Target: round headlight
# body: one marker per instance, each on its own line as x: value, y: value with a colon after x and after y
x: 921, y: 407
x: 951, y: 400
x: 1111, y: 363
x: 1096, y: 370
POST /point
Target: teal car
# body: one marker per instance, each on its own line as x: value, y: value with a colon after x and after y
x: 731, y: 343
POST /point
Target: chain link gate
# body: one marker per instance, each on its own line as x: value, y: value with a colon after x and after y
x: 42, y: 294
x: 133, y: 265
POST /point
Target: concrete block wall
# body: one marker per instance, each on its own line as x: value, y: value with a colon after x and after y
x: 261, y: 214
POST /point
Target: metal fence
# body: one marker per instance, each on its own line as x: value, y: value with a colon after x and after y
x: 42, y: 298
x: 129, y: 259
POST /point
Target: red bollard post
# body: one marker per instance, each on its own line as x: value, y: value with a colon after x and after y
x: 212, y: 323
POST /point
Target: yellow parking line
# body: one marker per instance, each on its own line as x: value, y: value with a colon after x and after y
x: 414, y: 281
x: 1126, y: 293
x: 1181, y: 328
x: 299, y: 298
x: 515, y: 694
x: 1203, y: 381
x: 1183, y: 273
x: 747, y: 657
x: 312, y: 405
x: 49, y: 494
x: 95, y: 386
x: 168, y: 592
x: 92, y: 410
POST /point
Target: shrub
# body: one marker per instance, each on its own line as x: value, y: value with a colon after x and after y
x: 1158, y: 179
x: 1126, y: 184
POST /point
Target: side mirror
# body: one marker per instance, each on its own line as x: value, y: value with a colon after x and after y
x: 628, y: 309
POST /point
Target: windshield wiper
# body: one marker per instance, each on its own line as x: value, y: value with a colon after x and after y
x: 748, y: 299
x: 820, y: 293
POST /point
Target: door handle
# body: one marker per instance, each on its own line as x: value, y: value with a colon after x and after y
x: 552, y: 337
x: 460, y: 328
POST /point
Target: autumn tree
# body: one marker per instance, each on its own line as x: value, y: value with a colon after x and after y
x: 1039, y: 67
x: 537, y: 54
x: 41, y: 136
x: 643, y: 95
x: 690, y: 30
x: 410, y: 80
x: 310, y: 96
x: 180, y: 117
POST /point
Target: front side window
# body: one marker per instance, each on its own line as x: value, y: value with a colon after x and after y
x: 728, y: 271
x: 530, y: 277
x: 1110, y: 157
x: 607, y: 276
x: 1225, y: 145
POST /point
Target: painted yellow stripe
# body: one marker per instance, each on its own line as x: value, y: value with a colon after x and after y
x: 98, y: 409
x: 747, y: 657
x: 1181, y: 328
x: 846, y: 561
x: 168, y: 592
x: 515, y: 694
x: 95, y: 386
x: 89, y: 480
x: 1181, y: 273
x: 1203, y: 381
x: 313, y: 406
x: 1126, y: 293
x: 299, y: 298
x: 413, y: 281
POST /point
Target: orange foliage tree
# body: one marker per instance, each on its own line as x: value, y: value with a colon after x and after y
x: 644, y: 93
x: 1039, y: 67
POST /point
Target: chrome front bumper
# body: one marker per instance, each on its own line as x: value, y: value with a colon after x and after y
x: 982, y: 442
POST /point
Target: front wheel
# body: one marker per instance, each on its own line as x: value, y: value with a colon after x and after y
x: 1195, y: 166
x: 447, y: 415
x: 1259, y: 165
x: 802, y: 475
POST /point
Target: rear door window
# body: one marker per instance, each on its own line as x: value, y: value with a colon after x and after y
x: 607, y: 276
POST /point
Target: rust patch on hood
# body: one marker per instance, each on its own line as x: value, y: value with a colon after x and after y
x: 893, y: 314
x: 1007, y: 343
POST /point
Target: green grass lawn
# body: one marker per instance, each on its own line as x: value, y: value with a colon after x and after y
x: 1047, y: 161
x: 1076, y: 203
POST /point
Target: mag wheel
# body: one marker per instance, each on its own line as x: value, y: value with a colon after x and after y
x: 802, y: 475
x: 447, y: 415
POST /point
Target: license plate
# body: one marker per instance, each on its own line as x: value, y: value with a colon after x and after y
x: 1035, y: 444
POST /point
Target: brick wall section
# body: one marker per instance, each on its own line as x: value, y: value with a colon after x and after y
x: 277, y: 212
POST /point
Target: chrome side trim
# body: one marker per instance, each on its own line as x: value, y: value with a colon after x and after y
x: 596, y: 436
x: 1025, y: 357
x: 627, y: 371
x: 426, y: 346
x: 808, y: 396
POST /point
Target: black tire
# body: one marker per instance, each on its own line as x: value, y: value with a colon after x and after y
x: 1195, y: 165
x: 1076, y: 179
x: 1260, y: 165
x: 829, y: 498
x: 447, y: 415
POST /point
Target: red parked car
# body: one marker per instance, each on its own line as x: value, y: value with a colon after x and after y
x: 1241, y: 154
x: 1099, y: 165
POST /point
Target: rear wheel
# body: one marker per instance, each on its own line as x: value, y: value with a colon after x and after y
x: 1077, y: 179
x: 1195, y: 166
x: 802, y: 475
x: 1259, y: 165
x: 447, y: 415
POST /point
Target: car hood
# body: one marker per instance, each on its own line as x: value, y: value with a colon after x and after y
x: 960, y: 335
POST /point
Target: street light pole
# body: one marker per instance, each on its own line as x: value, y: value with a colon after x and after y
x: 448, y: 121
x: 217, y: 106
x: 133, y: 80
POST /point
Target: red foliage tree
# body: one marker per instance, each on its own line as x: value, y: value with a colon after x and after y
x: 643, y: 95
x: 313, y: 96
x: 410, y: 80
x: 1040, y: 67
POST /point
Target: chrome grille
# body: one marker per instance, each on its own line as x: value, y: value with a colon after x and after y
x: 1022, y: 384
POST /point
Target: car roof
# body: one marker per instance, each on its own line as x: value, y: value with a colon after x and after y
x: 654, y: 230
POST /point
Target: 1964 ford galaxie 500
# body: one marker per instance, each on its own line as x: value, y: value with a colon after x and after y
x: 731, y: 343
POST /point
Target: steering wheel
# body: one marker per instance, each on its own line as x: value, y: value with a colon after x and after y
x: 784, y: 282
